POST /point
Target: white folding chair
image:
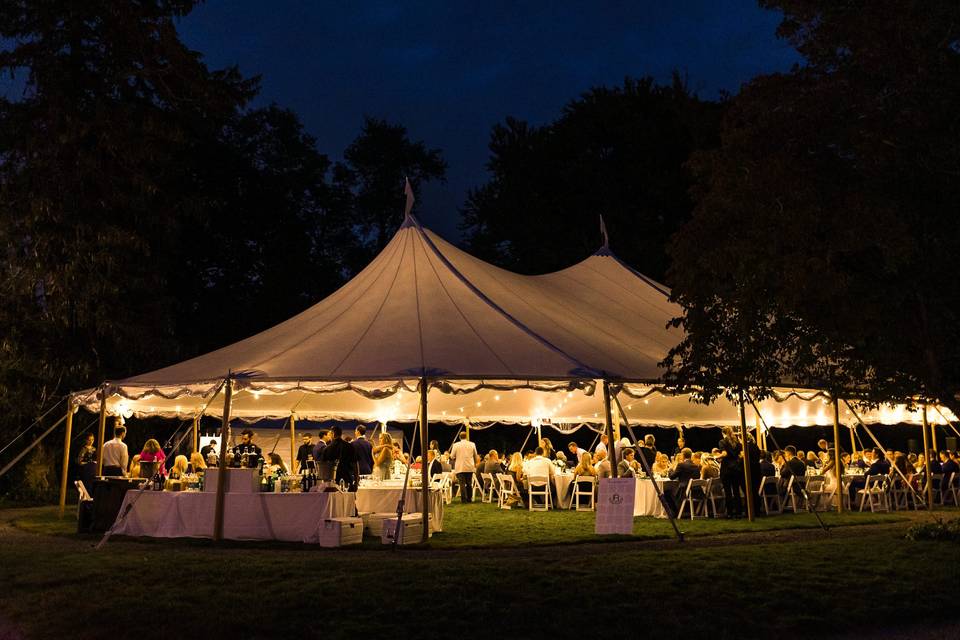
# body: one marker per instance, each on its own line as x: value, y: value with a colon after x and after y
x: 588, y: 491
x: 770, y: 495
x: 815, y: 494
x: 508, y: 489
x: 933, y: 487
x: 488, y: 488
x: 793, y: 498
x: 538, y: 487
x: 475, y: 487
x: 695, y: 499
x: 83, y: 495
x: 951, y: 489
x: 901, y: 496
x: 874, y: 494
x: 715, y: 494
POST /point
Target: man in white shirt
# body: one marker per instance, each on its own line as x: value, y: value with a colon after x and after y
x: 540, y: 466
x: 115, y: 455
x: 575, y: 452
x: 464, y: 457
x: 602, y: 445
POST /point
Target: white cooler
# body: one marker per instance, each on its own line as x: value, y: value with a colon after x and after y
x: 338, y: 532
x: 373, y: 523
x: 411, y: 529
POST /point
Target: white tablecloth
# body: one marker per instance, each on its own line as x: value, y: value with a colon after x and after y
x: 383, y: 498
x: 561, y: 481
x: 646, y: 502
x: 292, y: 517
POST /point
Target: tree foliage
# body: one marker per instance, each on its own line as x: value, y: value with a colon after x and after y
x: 148, y: 212
x: 615, y: 151
x: 822, y: 250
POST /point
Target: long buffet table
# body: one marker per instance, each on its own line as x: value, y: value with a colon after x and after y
x: 290, y: 517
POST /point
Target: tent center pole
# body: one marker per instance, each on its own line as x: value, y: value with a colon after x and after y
x: 424, y: 463
x: 102, y: 428
x: 222, y: 474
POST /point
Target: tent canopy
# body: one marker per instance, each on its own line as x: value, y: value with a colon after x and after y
x: 495, y: 346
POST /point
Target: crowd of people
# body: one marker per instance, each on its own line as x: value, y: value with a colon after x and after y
x: 346, y: 457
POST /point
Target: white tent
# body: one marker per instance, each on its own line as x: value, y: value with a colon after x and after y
x: 495, y: 346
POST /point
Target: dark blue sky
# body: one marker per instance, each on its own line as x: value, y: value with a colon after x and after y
x: 448, y: 71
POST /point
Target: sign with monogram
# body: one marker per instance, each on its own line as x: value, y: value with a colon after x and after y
x: 615, y: 505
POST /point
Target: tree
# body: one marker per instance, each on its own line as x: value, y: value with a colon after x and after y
x: 142, y: 203
x: 823, y: 241
x: 619, y: 152
x: 370, y: 181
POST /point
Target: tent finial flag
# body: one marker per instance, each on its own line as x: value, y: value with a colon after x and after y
x: 603, y: 232
x: 408, y: 191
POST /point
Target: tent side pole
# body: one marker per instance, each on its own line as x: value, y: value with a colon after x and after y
x: 926, y: 458
x: 837, y: 464
x: 293, y: 444
x: 612, y: 450
x: 748, y: 488
x: 196, y: 434
x: 66, y: 457
x: 853, y: 440
x: 424, y: 464
x: 102, y: 428
x: 933, y: 432
x: 222, y: 475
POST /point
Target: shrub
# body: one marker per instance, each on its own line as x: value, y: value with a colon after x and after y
x: 939, y: 530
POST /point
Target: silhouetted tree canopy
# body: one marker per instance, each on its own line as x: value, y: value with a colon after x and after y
x: 824, y: 240
x: 619, y: 152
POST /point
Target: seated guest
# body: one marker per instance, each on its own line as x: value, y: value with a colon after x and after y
x: 135, y: 466
x: 628, y: 467
x: 812, y: 460
x: 767, y: 468
x: 115, y: 456
x: 856, y: 461
x: 153, y: 453
x: 547, y: 447
x: 709, y: 469
x: 792, y: 465
x: 948, y: 467
x: 562, y: 457
x: 879, y: 467
x: 935, y: 466
x: 602, y: 465
x: 684, y: 472
x: 197, y: 465
x: 179, y: 468
x: 661, y: 466
x: 417, y: 464
x: 445, y: 462
x: 585, y: 467
x: 649, y: 452
x: 434, y: 466
x: 845, y: 459
x: 540, y: 466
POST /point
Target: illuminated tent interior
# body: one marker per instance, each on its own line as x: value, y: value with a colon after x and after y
x: 494, y: 346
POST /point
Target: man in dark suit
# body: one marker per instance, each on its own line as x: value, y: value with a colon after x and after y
x: 948, y: 467
x: 434, y: 466
x: 766, y: 465
x: 340, y: 454
x: 684, y: 472
x: 364, y: 450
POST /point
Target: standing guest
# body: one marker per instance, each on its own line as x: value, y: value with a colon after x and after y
x: 830, y: 483
x: 276, y: 463
x: 153, y: 453
x: 87, y: 463
x: 547, y: 447
x: 364, y: 450
x: 322, y: 439
x: 464, y: 457
x: 304, y: 452
x: 731, y: 472
x: 751, y: 456
x: 383, y: 457
x: 648, y: 450
x: 245, y: 448
x: 822, y: 445
x: 434, y: 466
x: 434, y: 445
x: 115, y: 455
x: 576, y: 453
x: 341, y: 454
x: 602, y: 445
x: 210, y: 448
x: 681, y: 443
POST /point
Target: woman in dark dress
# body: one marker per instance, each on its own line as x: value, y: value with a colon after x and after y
x: 731, y: 472
x: 87, y: 463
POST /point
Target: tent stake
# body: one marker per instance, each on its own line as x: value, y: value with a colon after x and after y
x: 66, y: 456
x: 222, y: 474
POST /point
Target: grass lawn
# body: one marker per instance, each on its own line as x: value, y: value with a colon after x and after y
x: 794, y: 584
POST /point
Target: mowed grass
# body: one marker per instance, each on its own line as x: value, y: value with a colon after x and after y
x: 56, y: 585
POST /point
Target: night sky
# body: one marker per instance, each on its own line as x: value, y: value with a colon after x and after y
x: 448, y: 71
